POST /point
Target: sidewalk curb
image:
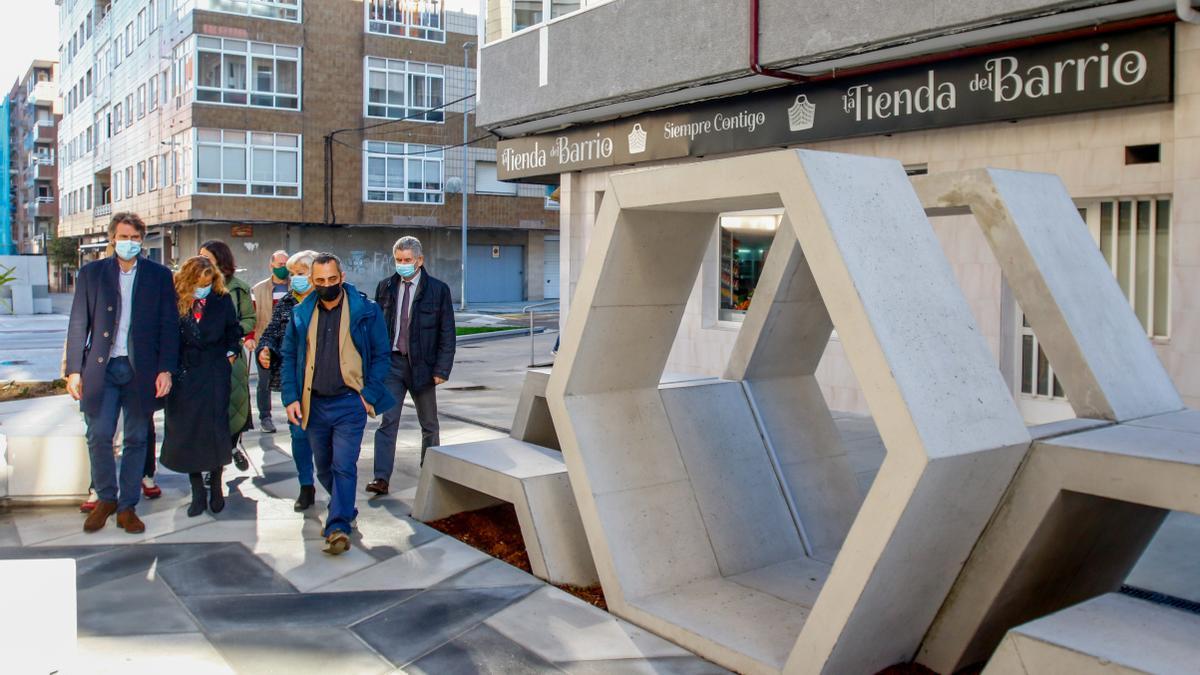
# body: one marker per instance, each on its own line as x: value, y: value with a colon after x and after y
x: 512, y: 332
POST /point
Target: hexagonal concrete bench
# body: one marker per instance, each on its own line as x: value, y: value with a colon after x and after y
x: 525, y: 470
x: 1109, y: 634
x: 724, y: 515
x: 43, y: 451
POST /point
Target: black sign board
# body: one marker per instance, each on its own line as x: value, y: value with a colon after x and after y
x: 1105, y: 71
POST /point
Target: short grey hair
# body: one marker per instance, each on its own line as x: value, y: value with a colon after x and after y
x: 279, y: 252
x: 408, y: 244
x: 302, y: 258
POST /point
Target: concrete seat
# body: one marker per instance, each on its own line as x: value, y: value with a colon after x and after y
x: 1111, y: 634
x: 43, y: 451
x: 38, y: 629
x: 471, y: 476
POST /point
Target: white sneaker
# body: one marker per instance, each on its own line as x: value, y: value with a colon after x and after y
x: 149, y: 489
x: 89, y: 503
x: 148, y: 482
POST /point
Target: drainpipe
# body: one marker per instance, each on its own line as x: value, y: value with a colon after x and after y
x: 1183, y: 11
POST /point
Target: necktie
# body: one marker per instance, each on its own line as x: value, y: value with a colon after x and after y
x: 402, y: 334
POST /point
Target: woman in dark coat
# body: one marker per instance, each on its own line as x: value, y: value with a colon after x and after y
x: 197, y: 412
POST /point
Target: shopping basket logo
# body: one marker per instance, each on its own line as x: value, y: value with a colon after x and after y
x: 637, y: 140
x: 801, y: 114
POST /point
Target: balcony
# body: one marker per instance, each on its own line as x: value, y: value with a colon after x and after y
x: 102, y: 211
x: 43, y: 94
x: 46, y: 132
x: 45, y: 172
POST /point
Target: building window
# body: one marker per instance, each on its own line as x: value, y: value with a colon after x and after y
x: 487, y: 183
x: 152, y: 93
x: 249, y: 163
x: 141, y: 26
x: 279, y: 10
x: 152, y: 174
x: 129, y: 110
x: 405, y: 89
x: 141, y: 101
x: 164, y: 166
x: 257, y: 74
x: 182, y: 64
x: 128, y: 182
x: 418, y: 19
x: 152, y: 15
x: 141, y: 177
x: 129, y: 38
x: 116, y: 186
x: 745, y: 241
x: 116, y: 119
x: 402, y: 172
x: 528, y: 13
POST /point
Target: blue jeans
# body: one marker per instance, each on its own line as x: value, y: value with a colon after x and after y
x: 398, y: 379
x: 301, y: 454
x: 102, y: 427
x: 335, y: 432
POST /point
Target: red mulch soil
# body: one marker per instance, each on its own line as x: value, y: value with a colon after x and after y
x: 495, y: 531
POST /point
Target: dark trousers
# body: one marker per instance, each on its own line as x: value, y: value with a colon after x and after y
x: 398, y: 382
x: 335, y: 432
x: 263, y: 391
x: 126, y: 488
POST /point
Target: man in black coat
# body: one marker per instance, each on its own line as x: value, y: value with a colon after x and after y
x: 420, y: 320
x: 122, y: 346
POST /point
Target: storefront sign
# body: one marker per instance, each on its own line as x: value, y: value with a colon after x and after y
x: 1106, y: 71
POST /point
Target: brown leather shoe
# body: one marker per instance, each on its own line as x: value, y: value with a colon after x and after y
x: 99, y: 515
x: 128, y: 521
x: 378, y: 486
x: 337, y: 543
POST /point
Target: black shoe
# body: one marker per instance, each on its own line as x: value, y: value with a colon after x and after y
x: 266, y: 425
x: 308, y: 497
x: 240, y: 460
x: 199, y: 501
x: 216, y: 496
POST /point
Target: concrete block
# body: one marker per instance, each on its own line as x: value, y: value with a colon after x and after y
x: 532, y: 422
x: 1097, y: 347
x: 869, y: 266
x: 45, y: 451
x: 1089, y: 501
x: 38, y: 629
x: 533, y: 479
x: 1109, y: 634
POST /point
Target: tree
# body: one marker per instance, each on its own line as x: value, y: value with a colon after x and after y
x: 63, y: 251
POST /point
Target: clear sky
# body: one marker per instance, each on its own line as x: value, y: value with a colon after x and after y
x: 29, y: 30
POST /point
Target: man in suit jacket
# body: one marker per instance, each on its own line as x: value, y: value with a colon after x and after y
x: 122, y: 346
x: 420, y: 320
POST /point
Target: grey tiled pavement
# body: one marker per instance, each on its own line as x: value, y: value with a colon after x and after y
x: 249, y: 590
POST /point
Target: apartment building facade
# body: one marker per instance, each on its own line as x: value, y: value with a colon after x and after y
x: 335, y: 125
x: 32, y: 114
x: 936, y: 90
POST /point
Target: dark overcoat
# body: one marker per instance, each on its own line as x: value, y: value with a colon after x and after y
x: 431, y: 336
x: 153, y: 331
x: 197, y: 418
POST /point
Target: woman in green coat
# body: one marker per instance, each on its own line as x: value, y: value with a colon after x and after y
x: 239, y: 397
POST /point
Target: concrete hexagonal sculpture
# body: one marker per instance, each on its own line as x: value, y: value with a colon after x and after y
x: 718, y: 537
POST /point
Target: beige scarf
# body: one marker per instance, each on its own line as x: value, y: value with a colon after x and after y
x: 348, y: 358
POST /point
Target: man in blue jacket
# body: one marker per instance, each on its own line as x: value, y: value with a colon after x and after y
x: 420, y: 321
x: 335, y: 364
x: 122, y: 346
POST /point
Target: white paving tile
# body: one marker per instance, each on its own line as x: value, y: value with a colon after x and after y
x: 421, y: 567
x: 305, y: 565
x: 246, y: 531
x: 560, y: 627
x: 150, y: 655
x: 157, y: 524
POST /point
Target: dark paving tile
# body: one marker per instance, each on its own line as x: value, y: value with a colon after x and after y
x: 123, y: 561
x: 226, y: 569
x: 432, y: 618
x: 218, y: 614
x: 293, y: 651
x: 133, y: 604
x: 673, y: 665
x: 483, y: 651
x: 29, y: 552
x: 9, y: 535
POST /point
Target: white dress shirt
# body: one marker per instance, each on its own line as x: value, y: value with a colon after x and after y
x: 412, y: 294
x: 120, y: 343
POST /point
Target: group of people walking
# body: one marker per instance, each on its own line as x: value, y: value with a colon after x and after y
x: 141, y: 339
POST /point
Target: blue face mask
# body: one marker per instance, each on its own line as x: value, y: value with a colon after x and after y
x: 300, y: 283
x: 406, y: 270
x: 202, y: 292
x: 127, y: 249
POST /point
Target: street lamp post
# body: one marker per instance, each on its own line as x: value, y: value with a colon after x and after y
x: 466, y: 67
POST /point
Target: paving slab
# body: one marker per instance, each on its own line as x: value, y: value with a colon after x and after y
x: 478, y: 651
x: 225, y: 570
x: 298, y: 650
x: 177, y: 653
x: 116, y: 607
x: 267, y: 612
x: 420, y: 567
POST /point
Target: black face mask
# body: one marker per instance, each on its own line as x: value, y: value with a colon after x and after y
x: 329, y: 293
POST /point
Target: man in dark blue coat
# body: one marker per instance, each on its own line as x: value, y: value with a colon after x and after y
x: 122, y: 346
x: 420, y: 320
x: 335, y: 356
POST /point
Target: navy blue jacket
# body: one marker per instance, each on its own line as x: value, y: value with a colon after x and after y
x: 431, y: 338
x: 369, y: 337
x: 153, y: 330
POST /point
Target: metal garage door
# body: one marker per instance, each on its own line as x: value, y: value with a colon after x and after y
x: 495, y: 273
x: 550, y: 287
